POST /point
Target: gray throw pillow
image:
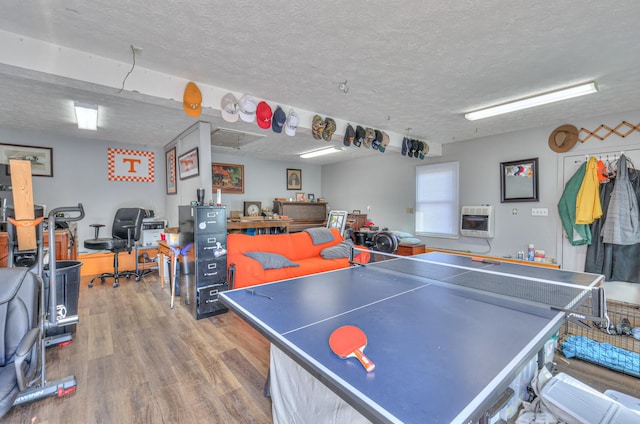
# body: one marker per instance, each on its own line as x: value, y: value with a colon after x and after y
x: 410, y: 241
x: 271, y: 260
x: 341, y: 250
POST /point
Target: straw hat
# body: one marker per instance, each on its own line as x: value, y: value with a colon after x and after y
x: 563, y: 138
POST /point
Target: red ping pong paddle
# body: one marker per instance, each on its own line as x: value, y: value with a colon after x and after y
x: 348, y: 341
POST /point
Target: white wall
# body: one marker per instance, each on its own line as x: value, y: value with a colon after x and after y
x: 197, y: 136
x: 80, y: 176
x: 387, y: 184
x: 266, y: 180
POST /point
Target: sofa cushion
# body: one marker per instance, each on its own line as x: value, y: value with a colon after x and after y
x: 342, y: 250
x: 271, y: 260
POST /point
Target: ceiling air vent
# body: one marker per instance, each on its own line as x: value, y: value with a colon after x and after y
x: 231, y: 139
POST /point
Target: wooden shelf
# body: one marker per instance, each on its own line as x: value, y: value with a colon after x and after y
x: 269, y: 224
x: 499, y: 259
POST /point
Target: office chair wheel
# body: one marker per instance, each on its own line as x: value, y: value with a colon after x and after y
x: 91, y: 283
x: 137, y: 278
x: 115, y: 284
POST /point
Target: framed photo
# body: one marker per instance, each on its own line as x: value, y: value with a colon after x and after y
x: 294, y: 179
x: 41, y: 158
x: 519, y: 181
x: 188, y: 164
x: 356, y: 211
x: 300, y: 197
x: 311, y: 197
x: 170, y: 166
x: 227, y: 177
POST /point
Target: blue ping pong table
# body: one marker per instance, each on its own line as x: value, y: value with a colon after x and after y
x: 442, y: 353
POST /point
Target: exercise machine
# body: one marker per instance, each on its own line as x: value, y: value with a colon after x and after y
x: 38, y: 387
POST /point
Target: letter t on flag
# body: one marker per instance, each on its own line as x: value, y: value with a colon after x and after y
x: 130, y: 165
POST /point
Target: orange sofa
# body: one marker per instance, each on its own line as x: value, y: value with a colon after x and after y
x: 296, y: 247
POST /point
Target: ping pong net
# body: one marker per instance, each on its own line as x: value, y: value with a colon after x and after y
x: 578, y: 295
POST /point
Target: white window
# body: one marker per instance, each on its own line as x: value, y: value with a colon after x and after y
x: 437, y: 200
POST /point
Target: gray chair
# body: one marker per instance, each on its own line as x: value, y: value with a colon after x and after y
x: 126, y: 231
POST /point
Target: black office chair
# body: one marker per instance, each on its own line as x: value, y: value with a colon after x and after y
x: 19, y: 346
x: 125, y: 233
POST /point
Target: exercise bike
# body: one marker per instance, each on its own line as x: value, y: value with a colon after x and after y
x: 33, y: 384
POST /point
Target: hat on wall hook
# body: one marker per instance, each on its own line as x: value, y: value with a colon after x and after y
x: 344, y: 87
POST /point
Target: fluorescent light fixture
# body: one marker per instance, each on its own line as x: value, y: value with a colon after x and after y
x: 320, y: 152
x: 541, y: 99
x: 87, y: 116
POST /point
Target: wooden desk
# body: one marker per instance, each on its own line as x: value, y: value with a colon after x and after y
x: 240, y: 226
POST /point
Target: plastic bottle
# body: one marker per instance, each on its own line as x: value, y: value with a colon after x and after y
x: 531, y: 253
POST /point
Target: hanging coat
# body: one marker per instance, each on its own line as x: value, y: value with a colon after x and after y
x: 617, y: 262
x: 588, y: 206
x: 578, y: 234
x: 622, y: 225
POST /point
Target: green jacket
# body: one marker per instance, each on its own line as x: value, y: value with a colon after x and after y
x: 578, y: 234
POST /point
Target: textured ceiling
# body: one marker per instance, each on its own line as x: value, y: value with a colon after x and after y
x: 408, y: 64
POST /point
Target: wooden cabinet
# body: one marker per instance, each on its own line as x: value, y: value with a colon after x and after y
x: 355, y: 221
x: 66, y: 248
x: 303, y: 215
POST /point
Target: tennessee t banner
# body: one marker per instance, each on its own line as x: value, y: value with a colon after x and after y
x: 131, y: 165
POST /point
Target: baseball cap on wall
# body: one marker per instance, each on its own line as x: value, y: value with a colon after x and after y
x: 384, y: 142
x: 349, y: 135
x: 229, y: 108
x: 292, y: 123
x: 248, y: 106
x: 192, y: 100
x: 360, y: 136
x: 263, y: 115
x: 279, y: 118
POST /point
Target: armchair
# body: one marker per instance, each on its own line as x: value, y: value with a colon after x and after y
x: 125, y: 233
x: 19, y: 293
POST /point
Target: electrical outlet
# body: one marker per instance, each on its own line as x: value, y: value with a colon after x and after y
x: 539, y: 212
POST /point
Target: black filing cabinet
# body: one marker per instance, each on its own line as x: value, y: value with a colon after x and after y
x: 206, y: 228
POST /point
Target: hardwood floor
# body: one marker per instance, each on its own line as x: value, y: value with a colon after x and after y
x: 137, y: 361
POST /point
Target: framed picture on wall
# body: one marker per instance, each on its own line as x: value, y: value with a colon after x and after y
x: 519, y: 181
x: 41, y: 158
x: 170, y: 166
x: 188, y: 164
x: 294, y: 179
x: 228, y: 177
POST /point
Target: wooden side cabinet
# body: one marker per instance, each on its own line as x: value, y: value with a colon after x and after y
x: 303, y: 214
x: 410, y: 250
x: 66, y: 247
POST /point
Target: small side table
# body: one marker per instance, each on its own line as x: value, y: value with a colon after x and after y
x: 410, y: 249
